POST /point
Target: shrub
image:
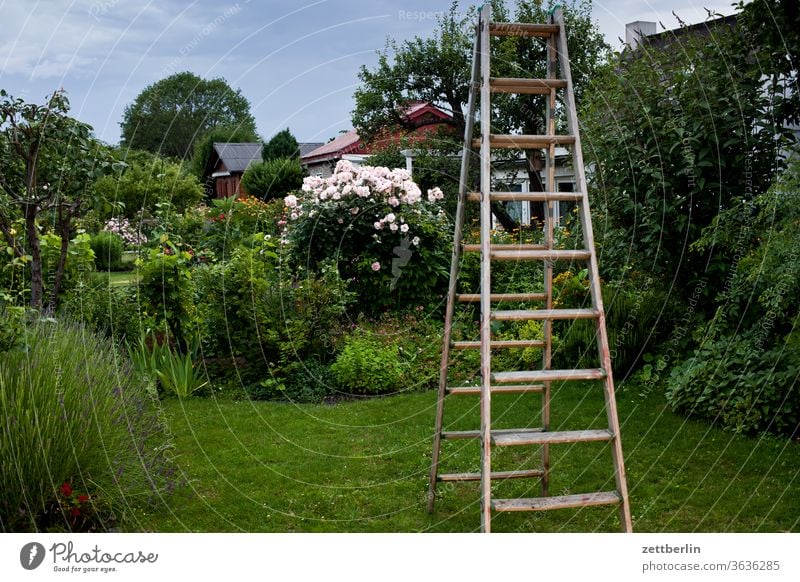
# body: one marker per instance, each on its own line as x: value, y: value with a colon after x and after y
x: 732, y: 382
x: 273, y: 178
x: 107, y: 248
x: 122, y: 227
x: 390, y: 244
x: 364, y: 366
x: 73, y: 413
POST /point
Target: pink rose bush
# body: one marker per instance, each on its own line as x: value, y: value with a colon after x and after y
x: 367, y: 216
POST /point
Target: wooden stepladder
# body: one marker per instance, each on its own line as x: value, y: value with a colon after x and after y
x: 537, y: 306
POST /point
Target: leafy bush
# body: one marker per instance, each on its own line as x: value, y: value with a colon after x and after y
x: 307, y: 381
x: 165, y: 289
x: 364, y: 366
x: 12, y: 322
x: 75, y: 413
x: 80, y: 260
x: 147, y: 181
x: 391, y: 246
x: 273, y: 178
x: 254, y: 318
x: 107, y: 248
x: 732, y: 382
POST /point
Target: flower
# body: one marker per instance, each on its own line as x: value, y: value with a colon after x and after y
x: 83, y: 498
x: 66, y: 490
x: 290, y: 201
x: 415, y: 241
x: 376, y: 266
x: 403, y: 228
x: 75, y: 512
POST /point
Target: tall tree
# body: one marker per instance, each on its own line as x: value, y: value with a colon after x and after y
x: 169, y: 116
x: 437, y: 70
x: 47, y: 163
x: 282, y: 145
x: 675, y: 135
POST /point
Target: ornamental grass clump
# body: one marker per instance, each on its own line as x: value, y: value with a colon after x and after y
x: 72, y: 412
x: 389, y: 240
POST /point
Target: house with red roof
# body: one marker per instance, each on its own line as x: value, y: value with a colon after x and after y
x: 423, y: 118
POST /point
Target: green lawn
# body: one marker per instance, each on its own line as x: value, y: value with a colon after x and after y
x: 119, y: 278
x: 363, y: 465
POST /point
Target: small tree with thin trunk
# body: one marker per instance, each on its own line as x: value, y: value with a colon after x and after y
x: 47, y: 162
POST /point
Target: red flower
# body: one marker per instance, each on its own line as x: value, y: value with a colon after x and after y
x: 83, y: 498
x: 75, y: 512
x: 66, y: 490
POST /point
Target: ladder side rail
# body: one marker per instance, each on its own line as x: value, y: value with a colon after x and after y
x: 454, y: 270
x: 486, y: 225
x: 594, y: 275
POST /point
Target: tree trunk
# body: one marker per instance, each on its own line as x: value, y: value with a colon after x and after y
x: 37, y: 287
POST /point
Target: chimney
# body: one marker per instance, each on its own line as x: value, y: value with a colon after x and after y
x: 635, y: 31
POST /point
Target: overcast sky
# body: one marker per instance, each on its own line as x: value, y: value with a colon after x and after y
x: 296, y: 61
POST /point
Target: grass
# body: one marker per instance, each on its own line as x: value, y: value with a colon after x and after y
x: 363, y: 466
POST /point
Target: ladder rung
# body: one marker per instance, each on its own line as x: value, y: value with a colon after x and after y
x: 544, y: 314
x: 525, y: 142
x: 525, y: 437
x: 473, y: 434
x: 525, y: 86
x: 476, y: 248
x: 506, y: 389
x: 548, y: 375
x: 495, y: 475
x: 499, y: 344
x: 475, y: 297
x: 557, y: 502
x: 527, y: 196
x: 513, y: 254
x: 521, y: 29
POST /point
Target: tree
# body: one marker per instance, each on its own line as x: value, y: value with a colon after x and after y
x: 47, y: 162
x: 282, y: 145
x: 674, y: 136
x: 148, y: 180
x: 220, y: 134
x: 437, y: 70
x: 169, y: 116
x: 273, y: 179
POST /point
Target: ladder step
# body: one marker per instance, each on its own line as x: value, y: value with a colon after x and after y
x: 476, y: 297
x: 548, y: 375
x: 525, y: 142
x: 506, y: 389
x: 474, y: 434
x: 527, y: 196
x: 544, y: 314
x: 495, y: 475
x: 513, y: 254
x: 521, y: 29
x: 476, y: 248
x: 499, y: 344
x: 526, y: 437
x: 557, y: 502
x: 525, y: 86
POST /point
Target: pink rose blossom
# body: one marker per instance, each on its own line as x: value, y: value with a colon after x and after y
x: 376, y: 266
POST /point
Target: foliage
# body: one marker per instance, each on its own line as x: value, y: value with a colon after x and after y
x: 74, y: 413
x: 165, y: 288
x: 178, y: 373
x: 12, y: 322
x: 675, y: 135
x: 107, y: 248
x: 743, y: 371
x: 148, y: 180
x: 205, y: 145
x: 731, y: 381
x: 79, y: 265
x: 47, y: 160
x: 273, y: 178
x: 390, y: 244
x: 169, y: 116
x: 255, y: 319
x: 364, y: 366
x: 281, y: 145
